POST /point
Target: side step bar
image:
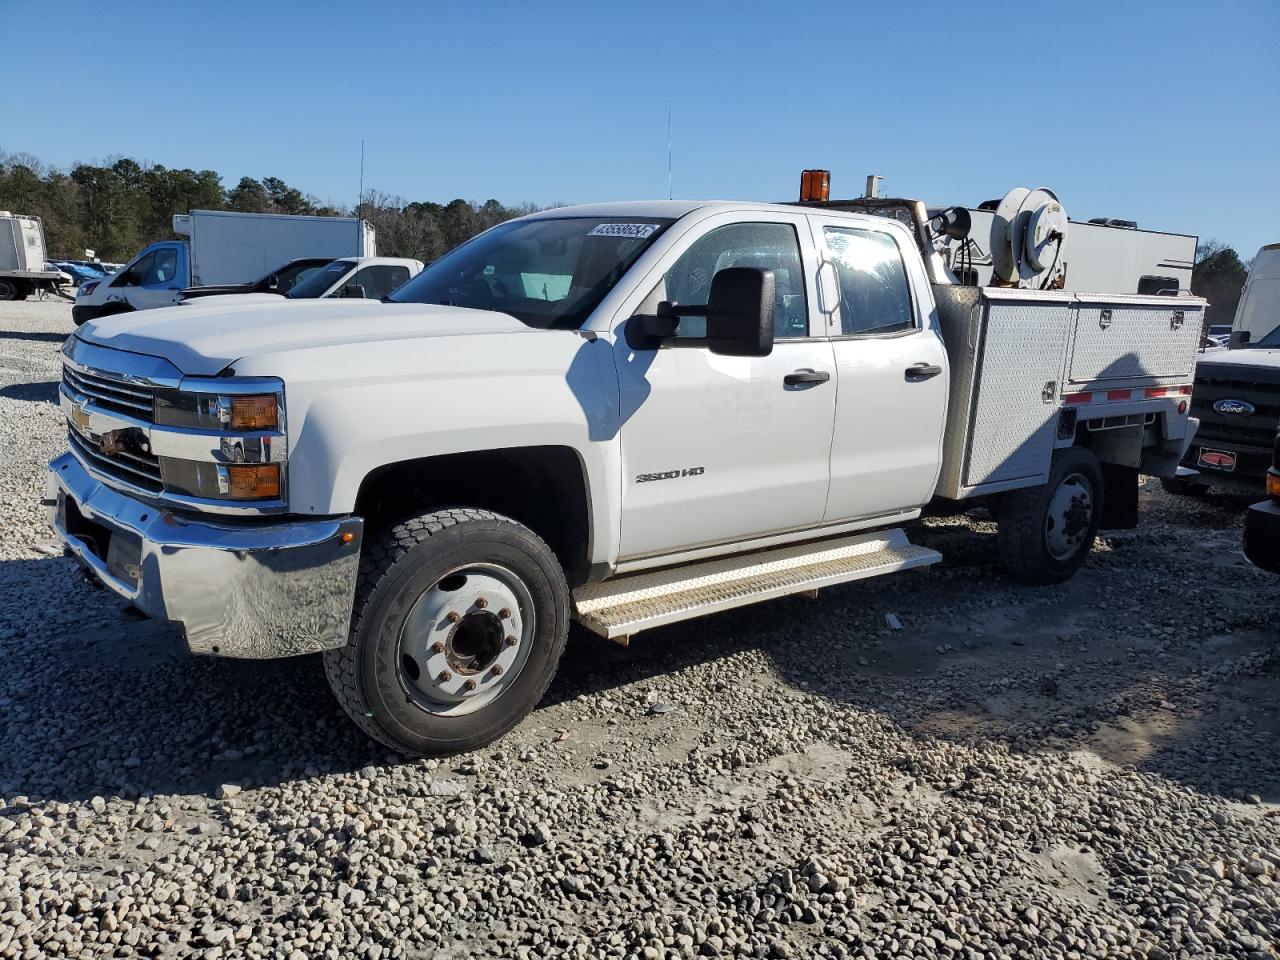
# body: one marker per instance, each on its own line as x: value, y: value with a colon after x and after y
x: 619, y: 608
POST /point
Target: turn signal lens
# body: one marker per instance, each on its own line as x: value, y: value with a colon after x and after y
x: 254, y: 481
x: 254, y: 412
x: 1273, y: 484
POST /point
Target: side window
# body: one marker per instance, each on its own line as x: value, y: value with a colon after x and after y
x: 1149, y: 286
x: 289, y: 279
x: 874, y: 295
x: 773, y: 246
x: 164, y: 268
x: 138, y: 273
x: 380, y: 279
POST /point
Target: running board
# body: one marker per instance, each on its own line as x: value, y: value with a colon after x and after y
x: 624, y: 606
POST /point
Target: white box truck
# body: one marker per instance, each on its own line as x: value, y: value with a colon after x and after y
x: 221, y: 248
x: 23, y: 268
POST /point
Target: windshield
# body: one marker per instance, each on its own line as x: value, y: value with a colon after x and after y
x: 544, y: 272
x: 320, y: 281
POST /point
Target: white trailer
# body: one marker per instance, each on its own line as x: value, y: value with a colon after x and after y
x: 221, y: 247
x: 23, y: 263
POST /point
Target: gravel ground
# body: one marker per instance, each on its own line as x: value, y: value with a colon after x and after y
x: 1088, y: 770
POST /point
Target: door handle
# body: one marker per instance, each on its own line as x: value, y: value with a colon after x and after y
x: 801, y: 377
x: 922, y: 371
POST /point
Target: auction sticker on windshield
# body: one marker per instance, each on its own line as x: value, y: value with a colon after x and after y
x: 632, y: 231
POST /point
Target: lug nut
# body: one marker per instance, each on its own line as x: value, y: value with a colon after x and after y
x: 497, y: 670
x: 437, y: 647
x: 481, y: 603
x: 445, y: 676
x: 512, y: 641
x: 504, y: 614
x: 470, y: 684
x: 453, y: 616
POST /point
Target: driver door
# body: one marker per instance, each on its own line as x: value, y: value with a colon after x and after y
x: 155, y: 280
x: 716, y: 448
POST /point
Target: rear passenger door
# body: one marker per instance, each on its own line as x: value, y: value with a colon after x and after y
x: 891, y: 371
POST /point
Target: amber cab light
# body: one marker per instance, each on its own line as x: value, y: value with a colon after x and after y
x: 254, y: 481
x: 815, y: 185
x: 254, y: 412
x: 1273, y: 484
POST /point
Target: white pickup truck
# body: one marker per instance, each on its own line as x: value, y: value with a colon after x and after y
x: 625, y: 414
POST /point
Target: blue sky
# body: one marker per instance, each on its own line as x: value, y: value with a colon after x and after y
x: 1165, y: 113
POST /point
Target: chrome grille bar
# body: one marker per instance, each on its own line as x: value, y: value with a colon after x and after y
x: 130, y: 398
x: 127, y: 467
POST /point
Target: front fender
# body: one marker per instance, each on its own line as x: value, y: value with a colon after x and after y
x: 562, y: 392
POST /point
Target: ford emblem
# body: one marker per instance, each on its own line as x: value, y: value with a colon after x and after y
x: 1234, y: 408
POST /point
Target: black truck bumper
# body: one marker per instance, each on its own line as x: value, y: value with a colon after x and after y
x: 1262, y: 535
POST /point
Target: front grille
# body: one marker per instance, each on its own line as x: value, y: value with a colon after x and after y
x: 133, y: 467
x: 1257, y: 386
x: 110, y: 393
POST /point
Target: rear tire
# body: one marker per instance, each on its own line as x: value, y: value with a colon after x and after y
x: 460, y: 620
x: 9, y: 291
x: 1046, y: 532
x: 1183, y: 488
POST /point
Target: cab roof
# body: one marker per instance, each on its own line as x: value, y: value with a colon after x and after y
x: 667, y: 209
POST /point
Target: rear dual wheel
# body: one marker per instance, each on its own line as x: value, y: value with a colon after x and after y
x: 461, y: 617
x: 1046, y: 532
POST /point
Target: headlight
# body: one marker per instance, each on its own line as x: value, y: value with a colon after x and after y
x: 221, y: 481
x: 89, y: 287
x: 232, y: 445
x: 214, y: 411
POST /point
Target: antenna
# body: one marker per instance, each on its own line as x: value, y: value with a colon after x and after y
x: 360, y: 199
x: 669, y: 149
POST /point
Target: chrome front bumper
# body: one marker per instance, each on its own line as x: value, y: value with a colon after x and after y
x: 257, y: 590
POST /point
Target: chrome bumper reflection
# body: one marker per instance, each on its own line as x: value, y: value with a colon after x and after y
x: 257, y: 591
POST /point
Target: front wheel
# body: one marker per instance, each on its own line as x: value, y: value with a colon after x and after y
x: 1046, y: 532
x: 461, y: 617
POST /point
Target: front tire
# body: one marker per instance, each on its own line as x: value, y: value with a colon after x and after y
x: 1046, y: 532
x: 460, y: 620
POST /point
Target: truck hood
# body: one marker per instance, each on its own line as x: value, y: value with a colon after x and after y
x: 202, y: 341
x: 1241, y: 357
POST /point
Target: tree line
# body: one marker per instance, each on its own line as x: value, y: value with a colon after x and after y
x: 118, y: 207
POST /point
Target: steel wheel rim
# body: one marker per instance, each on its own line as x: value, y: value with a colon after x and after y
x: 1070, y: 516
x: 466, y: 639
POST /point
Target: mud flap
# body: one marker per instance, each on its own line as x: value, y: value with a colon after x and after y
x: 1119, y: 497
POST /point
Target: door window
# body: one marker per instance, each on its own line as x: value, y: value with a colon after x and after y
x: 138, y: 273
x: 772, y: 246
x: 164, y: 267
x: 874, y: 296
x: 379, y: 280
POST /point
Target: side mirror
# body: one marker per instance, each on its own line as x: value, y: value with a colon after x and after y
x: 353, y: 290
x: 1239, y: 338
x: 740, y: 312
